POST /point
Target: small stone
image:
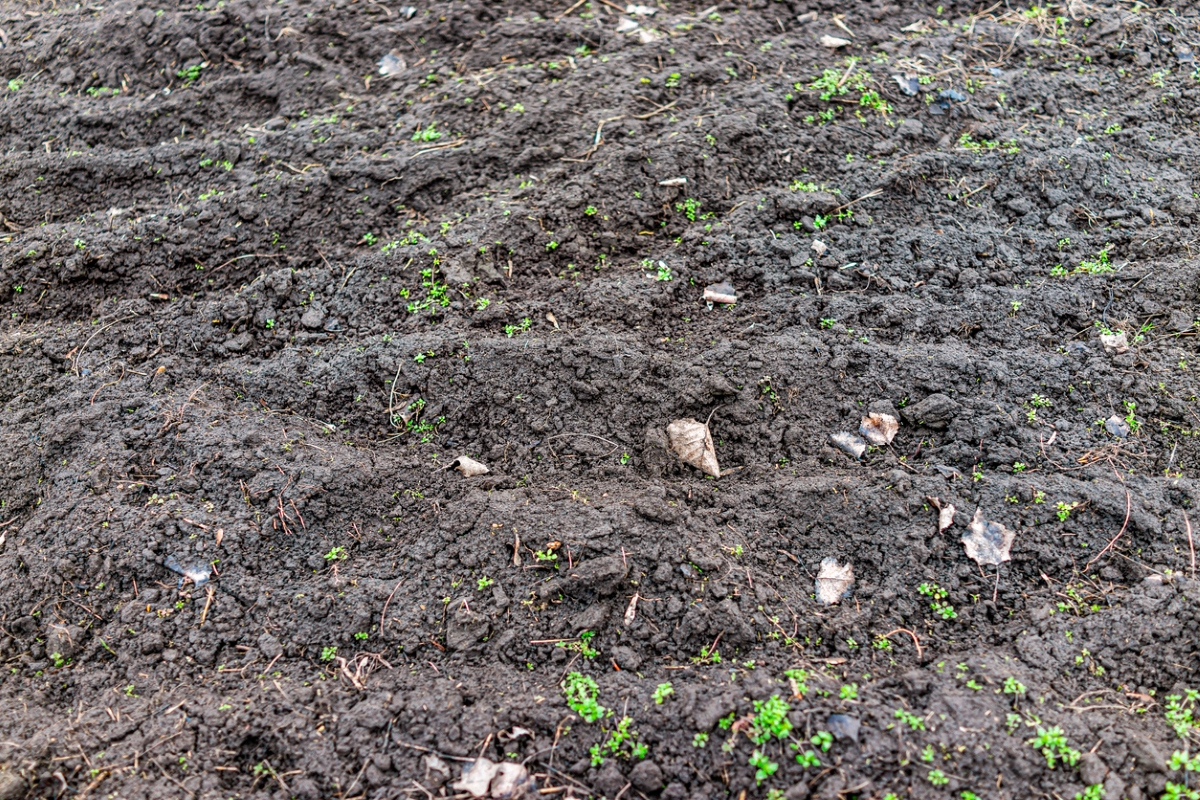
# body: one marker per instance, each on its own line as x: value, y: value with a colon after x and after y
x: 935, y: 411
x: 1092, y: 769
x: 1180, y: 321
x: 626, y: 658
x: 313, y: 318
x: 1117, y: 426
x: 843, y: 727
x: 275, y: 124
x: 646, y: 777
x: 609, y: 781
x: 798, y: 791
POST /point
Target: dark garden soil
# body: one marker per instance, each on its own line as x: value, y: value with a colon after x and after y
x: 258, y: 296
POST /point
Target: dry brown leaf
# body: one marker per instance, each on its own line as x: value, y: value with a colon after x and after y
x: 988, y: 542
x: 469, y: 466
x: 945, y: 517
x: 477, y: 776
x: 879, y: 429
x: 692, y: 442
x: 834, y: 581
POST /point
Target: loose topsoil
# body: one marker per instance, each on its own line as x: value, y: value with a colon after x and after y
x: 257, y: 297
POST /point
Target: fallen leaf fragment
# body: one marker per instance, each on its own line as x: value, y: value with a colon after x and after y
x: 512, y: 782
x: 692, y: 442
x: 987, y: 542
x: 648, y: 35
x: 722, y: 292
x: 848, y: 443
x: 917, y: 27
x: 625, y: 25
x: 477, y: 776
x: 391, y: 64
x: 553, y: 320
x: 673, y: 182
x: 1117, y: 426
x: 819, y: 247
x: 909, y: 84
x: 834, y: 581
x: 879, y: 429
x: 436, y: 770
x: 833, y: 41
x: 1114, y: 343
x: 945, y: 517
x: 641, y: 11
x: 469, y: 466
x: 945, y: 512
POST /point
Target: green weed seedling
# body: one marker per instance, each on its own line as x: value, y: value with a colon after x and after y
x: 798, y: 680
x: 770, y: 719
x: 429, y: 133
x: 622, y: 742
x: 1052, y: 743
x: 911, y: 720
x: 583, y: 646
x: 764, y: 766
x: 337, y: 554
x: 1013, y: 686
x: 937, y: 600
x: 580, y: 692
x: 662, y: 692
x: 823, y: 740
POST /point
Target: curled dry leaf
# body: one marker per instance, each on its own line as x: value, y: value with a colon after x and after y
x: 987, y: 542
x: 477, y: 776
x: 879, y: 429
x: 631, y: 611
x: 469, y: 466
x: 692, y: 442
x: 722, y: 292
x: 848, y: 443
x: 625, y: 25
x: 834, y: 581
x: 833, y: 41
x: 819, y: 247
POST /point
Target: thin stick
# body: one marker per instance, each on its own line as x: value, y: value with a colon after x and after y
x: 1191, y: 544
x: 569, y: 10
x: 658, y: 110
x: 1124, y: 525
x: 248, y: 255
x: 383, y: 614
x: 75, y: 361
